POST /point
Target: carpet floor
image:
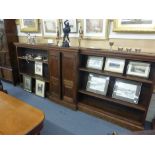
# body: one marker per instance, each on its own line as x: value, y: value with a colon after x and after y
x: 60, y: 120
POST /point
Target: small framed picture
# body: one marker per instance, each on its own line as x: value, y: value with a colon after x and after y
x: 139, y: 69
x: 40, y: 88
x: 29, y: 25
x: 114, y: 65
x: 127, y: 91
x: 38, y: 68
x: 97, y: 84
x: 95, y: 62
x: 27, y: 83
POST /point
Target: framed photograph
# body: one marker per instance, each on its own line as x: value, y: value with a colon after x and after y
x: 97, y: 84
x: 38, y: 68
x: 127, y: 90
x: 95, y: 62
x: 134, y: 25
x: 114, y: 65
x: 27, y: 83
x: 50, y: 27
x: 29, y: 25
x: 40, y: 88
x: 95, y: 28
x: 139, y: 69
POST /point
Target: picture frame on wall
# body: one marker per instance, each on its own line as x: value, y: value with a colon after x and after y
x: 40, y: 88
x: 29, y: 25
x: 50, y: 27
x: 126, y: 90
x: 27, y: 83
x: 95, y: 28
x: 95, y: 62
x: 139, y: 69
x: 97, y: 84
x: 38, y: 68
x: 134, y: 25
x: 114, y: 65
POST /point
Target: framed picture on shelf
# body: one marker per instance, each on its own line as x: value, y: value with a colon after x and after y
x: 27, y: 83
x: 139, y: 69
x: 97, y: 84
x: 134, y: 25
x: 127, y: 90
x: 29, y: 25
x: 95, y: 62
x: 114, y: 65
x: 50, y: 27
x: 38, y: 68
x: 40, y: 88
x: 95, y: 28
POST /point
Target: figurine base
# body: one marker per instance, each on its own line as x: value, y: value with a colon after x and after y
x: 65, y: 44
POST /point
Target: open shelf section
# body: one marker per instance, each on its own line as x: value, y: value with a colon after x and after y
x: 138, y: 79
x: 45, y: 62
x: 131, y: 105
x: 125, y: 122
x: 36, y: 77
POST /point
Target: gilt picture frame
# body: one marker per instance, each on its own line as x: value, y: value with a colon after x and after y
x: 40, y: 88
x: 97, y: 84
x: 95, y: 28
x: 29, y: 25
x: 139, y: 69
x: 134, y: 25
x: 126, y: 90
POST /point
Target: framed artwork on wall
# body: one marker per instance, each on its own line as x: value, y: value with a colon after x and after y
x: 127, y: 90
x: 95, y: 28
x: 27, y: 83
x: 139, y: 69
x: 134, y: 25
x: 114, y: 65
x: 40, y: 88
x: 29, y: 25
x: 50, y: 27
x: 38, y: 68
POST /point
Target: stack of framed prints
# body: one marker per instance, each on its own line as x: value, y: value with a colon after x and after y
x: 127, y: 90
x: 139, y: 69
x: 40, y: 88
x: 97, y: 84
x: 114, y: 65
x: 94, y: 62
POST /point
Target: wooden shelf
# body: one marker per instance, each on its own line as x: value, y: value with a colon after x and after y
x: 138, y: 79
x: 116, y: 101
x: 125, y: 122
x: 36, y: 77
x: 32, y: 60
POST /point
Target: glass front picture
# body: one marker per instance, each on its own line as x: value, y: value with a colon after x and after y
x: 95, y: 62
x: 97, y: 84
x: 49, y: 27
x: 27, y: 83
x: 134, y: 25
x: 139, y: 69
x: 40, y: 88
x: 38, y: 68
x: 95, y: 28
x: 29, y: 25
x: 114, y: 65
x: 127, y: 91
